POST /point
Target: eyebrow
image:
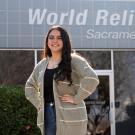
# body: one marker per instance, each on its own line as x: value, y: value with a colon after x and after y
x: 54, y: 35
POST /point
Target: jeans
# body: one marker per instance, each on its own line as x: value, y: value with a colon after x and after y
x: 50, y: 119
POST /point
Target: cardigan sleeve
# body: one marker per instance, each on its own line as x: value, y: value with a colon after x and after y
x: 89, y: 79
x: 32, y: 89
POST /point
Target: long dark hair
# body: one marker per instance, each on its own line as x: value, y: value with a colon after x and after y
x: 64, y: 68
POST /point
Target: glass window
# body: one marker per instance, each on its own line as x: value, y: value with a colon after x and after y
x: 98, y: 59
x: 124, y: 73
x: 15, y: 66
x: 40, y: 55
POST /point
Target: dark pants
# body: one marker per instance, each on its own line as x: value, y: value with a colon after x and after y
x: 50, y: 119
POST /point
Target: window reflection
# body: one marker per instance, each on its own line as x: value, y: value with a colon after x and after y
x: 98, y: 59
x: 98, y: 109
x: 124, y: 73
x: 16, y: 66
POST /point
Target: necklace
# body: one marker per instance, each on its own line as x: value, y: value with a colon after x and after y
x: 54, y: 63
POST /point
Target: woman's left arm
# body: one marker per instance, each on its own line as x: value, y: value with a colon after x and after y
x: 88, y: 83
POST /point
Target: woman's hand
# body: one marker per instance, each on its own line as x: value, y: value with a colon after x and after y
x: 67, y: 99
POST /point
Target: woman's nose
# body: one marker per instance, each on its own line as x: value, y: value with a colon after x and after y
x: 55, y: 40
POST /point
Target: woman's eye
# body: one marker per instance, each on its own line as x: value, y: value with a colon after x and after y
x: 59, y: 37
x: 51, y: 37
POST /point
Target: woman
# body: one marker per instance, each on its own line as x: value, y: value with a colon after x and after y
x: 58, y: 85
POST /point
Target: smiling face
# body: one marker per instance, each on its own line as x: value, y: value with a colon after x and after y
x: 55, y: 42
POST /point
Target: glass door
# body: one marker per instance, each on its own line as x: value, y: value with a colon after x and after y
x: 100, y: 109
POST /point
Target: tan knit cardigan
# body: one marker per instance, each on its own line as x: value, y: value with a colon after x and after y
x: 71, y: 119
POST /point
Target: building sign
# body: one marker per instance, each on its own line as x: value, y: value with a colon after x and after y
x: 91, y: 24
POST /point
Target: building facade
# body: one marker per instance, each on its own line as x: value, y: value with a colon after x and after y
x: 103, y: 31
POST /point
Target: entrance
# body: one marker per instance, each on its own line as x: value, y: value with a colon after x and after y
x: 100, y: 107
